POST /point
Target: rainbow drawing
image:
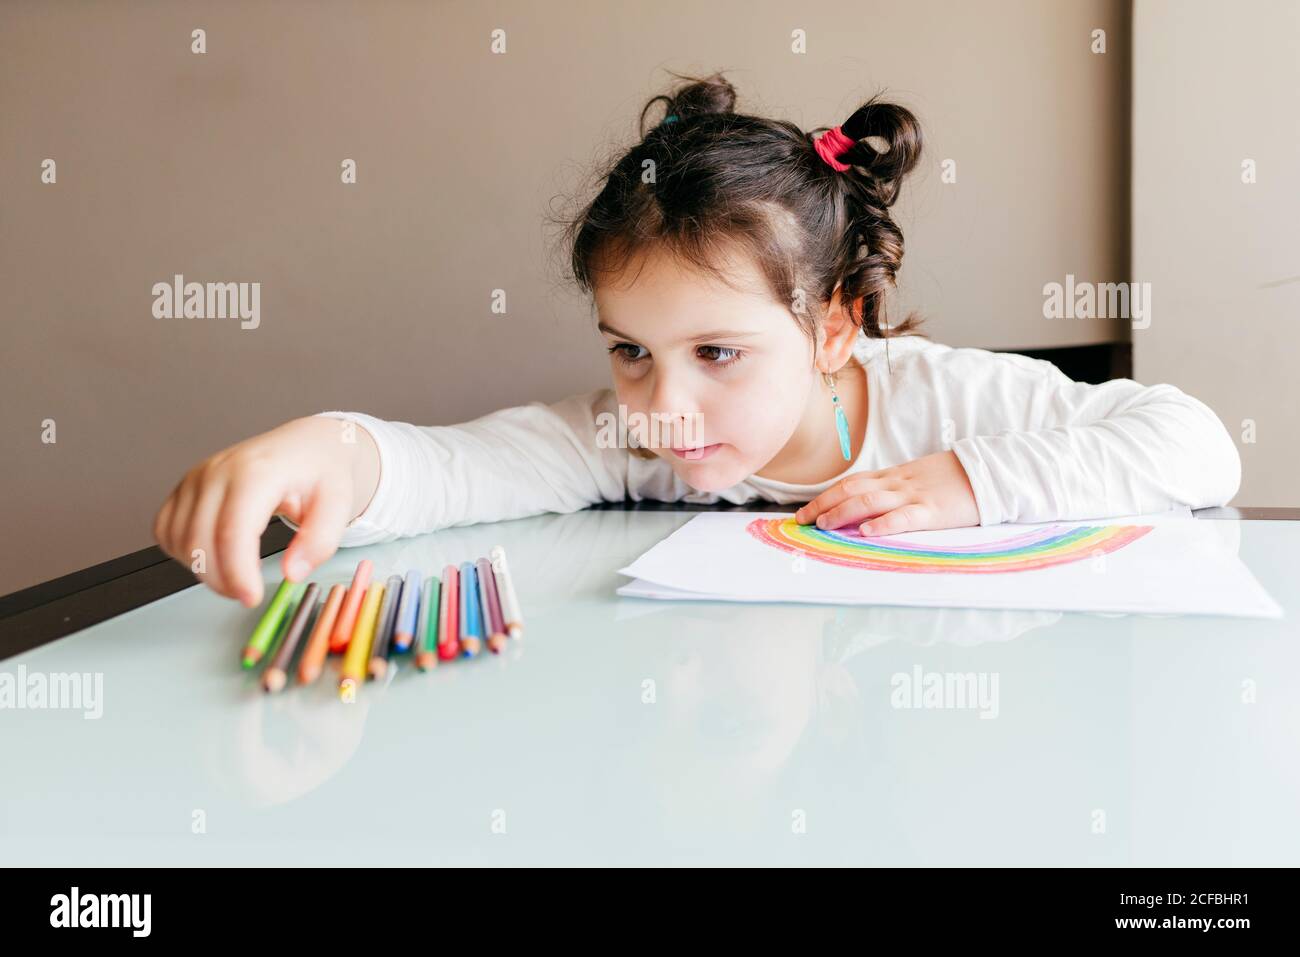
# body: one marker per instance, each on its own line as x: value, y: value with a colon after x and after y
x: 1027, y: 551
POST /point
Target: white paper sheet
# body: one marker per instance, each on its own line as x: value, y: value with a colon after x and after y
x: 1179, y: 566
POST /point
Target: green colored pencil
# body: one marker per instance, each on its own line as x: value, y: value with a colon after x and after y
x: 426, y: 652
x: 286, y: 598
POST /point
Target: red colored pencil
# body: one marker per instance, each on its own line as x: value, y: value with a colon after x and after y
x: 347, y: 619
x: 449, y: 615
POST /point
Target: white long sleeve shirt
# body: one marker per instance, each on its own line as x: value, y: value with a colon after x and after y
x: 1036, y: 446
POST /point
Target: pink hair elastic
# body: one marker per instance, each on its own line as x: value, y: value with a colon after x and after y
x: 831, y: 144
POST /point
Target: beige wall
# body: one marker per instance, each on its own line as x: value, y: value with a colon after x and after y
x: 225, y: 167
x: 1215, y: 86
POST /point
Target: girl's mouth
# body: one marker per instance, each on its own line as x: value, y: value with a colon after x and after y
x: 697, y: 453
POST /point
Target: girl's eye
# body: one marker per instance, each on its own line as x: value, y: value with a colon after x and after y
x: 716, y: 356
x: 719, y: 355
x: 620, y: 349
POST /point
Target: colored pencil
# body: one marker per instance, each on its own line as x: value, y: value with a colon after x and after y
x: 346, y: 624
x: 407, y: 613
x: 282, y: 602
x: 354, y: 659
x: 318, y: 645
x: 488, y: 598
x: 494, y: 601
x: 449, y: 614
x: 276, y: 675
x: 384, y: 630
x: 280, y: 633
x: 513, y: 617
x: 426, y: 652
x: 471, y: 634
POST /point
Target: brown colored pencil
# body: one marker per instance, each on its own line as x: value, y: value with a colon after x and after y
x: 277, y: 675
x: 384, y: 628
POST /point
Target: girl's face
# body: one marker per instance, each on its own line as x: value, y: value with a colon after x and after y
x: 715, y: 380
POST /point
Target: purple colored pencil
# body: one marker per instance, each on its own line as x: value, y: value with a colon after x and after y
x: 493, y: 622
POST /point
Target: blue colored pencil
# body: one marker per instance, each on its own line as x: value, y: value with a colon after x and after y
x: 471, y: 629
x: 407, y: 612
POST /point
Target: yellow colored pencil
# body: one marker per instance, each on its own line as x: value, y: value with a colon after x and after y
x: 354, y: 659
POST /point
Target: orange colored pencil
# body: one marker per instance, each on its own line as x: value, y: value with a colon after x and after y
x: 318, y: 645
x: 347, y: 619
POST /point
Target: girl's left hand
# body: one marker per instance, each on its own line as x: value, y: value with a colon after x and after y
x: 926, y: 493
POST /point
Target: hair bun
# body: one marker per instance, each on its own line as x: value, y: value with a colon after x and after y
x: 887, y: 145
x: 697, y: 96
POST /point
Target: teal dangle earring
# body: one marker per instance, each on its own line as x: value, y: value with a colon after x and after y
x: 841, y: 420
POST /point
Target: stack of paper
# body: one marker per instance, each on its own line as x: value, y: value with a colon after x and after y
x: 1166, y: 563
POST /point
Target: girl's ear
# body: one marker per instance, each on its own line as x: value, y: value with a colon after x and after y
x: 837, y: 333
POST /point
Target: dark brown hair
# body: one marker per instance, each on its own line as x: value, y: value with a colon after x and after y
x: 719, y: 180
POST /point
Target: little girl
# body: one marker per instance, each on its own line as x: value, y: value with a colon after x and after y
x: 739, y: 268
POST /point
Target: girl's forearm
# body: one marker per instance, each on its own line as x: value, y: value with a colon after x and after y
x: 365, y: 472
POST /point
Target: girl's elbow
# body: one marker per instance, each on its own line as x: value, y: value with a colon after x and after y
x: 1232, y: 472
x: 1222, y: 465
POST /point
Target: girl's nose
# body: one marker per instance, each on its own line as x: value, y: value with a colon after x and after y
x: 670, y: 409
x: 667, y: 430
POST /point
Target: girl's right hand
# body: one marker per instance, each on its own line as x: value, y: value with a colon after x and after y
x: 314, y: 471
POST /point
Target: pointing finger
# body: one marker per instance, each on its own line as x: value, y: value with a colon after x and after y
x: 857, y: 507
